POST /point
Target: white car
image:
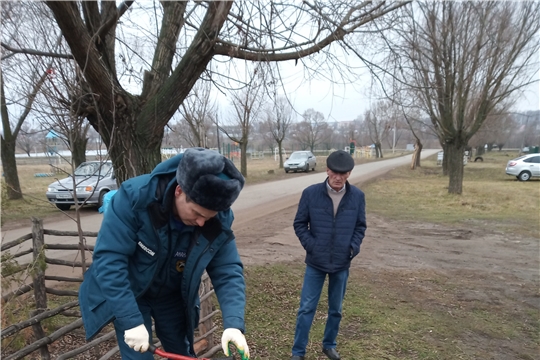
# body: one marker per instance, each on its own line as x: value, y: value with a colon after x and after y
x: 93, y: 179
x: 524, y: 167
x: 300, y: 161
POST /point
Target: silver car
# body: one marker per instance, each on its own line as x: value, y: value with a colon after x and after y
x: 93, y: 179
x: 300, y: 161
x: 524, y: 167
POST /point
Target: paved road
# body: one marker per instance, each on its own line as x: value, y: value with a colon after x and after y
x: 260, y: 200
x: 254, y: 201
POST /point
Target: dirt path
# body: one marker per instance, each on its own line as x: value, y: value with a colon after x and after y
x: 500, y: 262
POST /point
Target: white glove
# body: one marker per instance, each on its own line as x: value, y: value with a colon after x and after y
x: 237, y: 338
x: 137, y: 338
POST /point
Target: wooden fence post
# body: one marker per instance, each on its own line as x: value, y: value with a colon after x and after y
x: 38, y: 277
x: 206, y: 309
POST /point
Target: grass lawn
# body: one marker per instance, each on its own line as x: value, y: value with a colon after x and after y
x: 489, y: 195
x: 383, y: 318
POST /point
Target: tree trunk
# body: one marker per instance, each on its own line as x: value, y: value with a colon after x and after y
x: 243, y: 158
x: 445, y: 160
x: 378, y: 150
x: 416, y: 155
x: 9, y: 166
x: 454, y: 156
x: 135, y: 157
x: 78, y: 151
x: 280, y: 154
x: 134, y: 146
x: 7, y: 148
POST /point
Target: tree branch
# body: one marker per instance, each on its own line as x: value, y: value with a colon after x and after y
x: 33, y: 52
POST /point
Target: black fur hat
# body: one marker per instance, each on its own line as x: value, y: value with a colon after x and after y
x: 340, y: 162
x: 209, y: 179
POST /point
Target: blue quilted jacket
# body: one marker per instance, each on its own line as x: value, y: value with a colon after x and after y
x: 330, y: 242
x: 129, y: 252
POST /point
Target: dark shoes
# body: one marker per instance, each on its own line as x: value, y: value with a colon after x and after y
x: 332, y: 354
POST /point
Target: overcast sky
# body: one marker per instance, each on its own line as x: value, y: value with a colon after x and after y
x: 346, y: 101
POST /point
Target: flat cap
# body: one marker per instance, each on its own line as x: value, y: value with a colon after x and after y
x: 209, y: 179
x: 340, y: 161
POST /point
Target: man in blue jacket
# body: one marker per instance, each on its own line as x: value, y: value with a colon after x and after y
x: 159, y: 234
x: 330, y: 223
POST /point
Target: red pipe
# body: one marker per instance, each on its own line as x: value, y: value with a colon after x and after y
x: 154, y: 350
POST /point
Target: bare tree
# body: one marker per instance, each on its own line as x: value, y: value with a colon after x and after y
x: 9, y: 136
x: 198, y: 114
x: 379, y: 122
x: 417, y: 128
x: 529, y: 128
x: 247, y: 104
x: 462, y: 60
x: 312, y: 130
x: 56, y: 107
x: 278, y: 121
x: 19, y: 85
x: 184, y: 38
x: 27, y: 138
x: 495, y: 131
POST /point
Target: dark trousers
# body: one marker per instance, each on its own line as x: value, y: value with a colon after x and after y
x: 168, y: 315
x: 311, y: 293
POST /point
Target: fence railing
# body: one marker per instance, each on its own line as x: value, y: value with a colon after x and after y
x: 36, y: 269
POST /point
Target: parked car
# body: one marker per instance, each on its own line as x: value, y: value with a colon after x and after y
x: 93, y: 179
x: 524, y: 167
x: 300, y: 161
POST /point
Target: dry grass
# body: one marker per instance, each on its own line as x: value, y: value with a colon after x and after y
x: 391, y: 315
x: 489, y: 196
x: 34, y: 202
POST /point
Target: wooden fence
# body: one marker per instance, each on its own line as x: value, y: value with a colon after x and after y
x: 204, y: 342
